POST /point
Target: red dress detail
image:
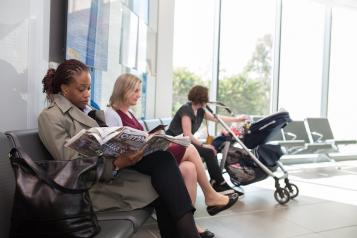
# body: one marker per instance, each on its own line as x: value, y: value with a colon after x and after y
x: 176, y: 150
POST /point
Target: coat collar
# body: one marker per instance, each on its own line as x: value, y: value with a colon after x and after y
x: 67, y: 107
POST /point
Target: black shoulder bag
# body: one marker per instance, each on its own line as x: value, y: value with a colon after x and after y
x: 51, y: 198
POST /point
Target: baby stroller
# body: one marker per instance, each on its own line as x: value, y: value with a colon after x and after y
x: 255, y: 160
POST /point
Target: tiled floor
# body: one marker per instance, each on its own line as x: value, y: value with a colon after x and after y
x: 325, y: 208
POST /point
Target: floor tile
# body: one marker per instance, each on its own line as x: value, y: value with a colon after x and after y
x: 347, y: 232
x: 326, y: 207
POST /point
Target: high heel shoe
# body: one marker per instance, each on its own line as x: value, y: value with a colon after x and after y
x: 213, y: 210
x: 206, y: 234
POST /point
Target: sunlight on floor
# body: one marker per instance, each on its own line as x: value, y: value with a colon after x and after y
x: 328, y: 181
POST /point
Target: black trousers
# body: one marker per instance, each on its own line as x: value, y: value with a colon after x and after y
x: 212, y: 163
x: 174, y: 201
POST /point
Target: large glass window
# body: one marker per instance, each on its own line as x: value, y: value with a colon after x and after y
x: 113, y: 37
x: 301, y: 61
x: 193, y: 47
x: 245, y: 73
x: 343, y: 64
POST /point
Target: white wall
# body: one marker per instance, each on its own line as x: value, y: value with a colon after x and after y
x: 24, y: 44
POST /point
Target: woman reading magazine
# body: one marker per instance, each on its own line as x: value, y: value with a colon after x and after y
x: 113, y: 141
x: 141, y: 181
x: 126, y: 92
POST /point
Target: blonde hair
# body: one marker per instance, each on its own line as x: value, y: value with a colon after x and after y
x: 124, y: 85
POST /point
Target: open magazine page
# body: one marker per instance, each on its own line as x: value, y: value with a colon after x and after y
x: 157, y: 142
x: 104, y: 134
x: 181, y: 140
x: 128, y: 139
x: 120, y: 140
x: 85, y: 144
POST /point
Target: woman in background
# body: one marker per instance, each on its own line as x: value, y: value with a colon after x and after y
x: 137, y: 181
x: 126, y: 92
x: 188, y: 120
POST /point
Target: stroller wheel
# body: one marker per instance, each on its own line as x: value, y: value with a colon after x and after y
x: 293, y: 190
x: 282, y: 195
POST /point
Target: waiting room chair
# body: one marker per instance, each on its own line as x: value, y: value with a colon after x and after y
x: 152, y: 123
x: 298, y: 141
x: 166, y: 121
x: 320, y: 131
x: 114, y: 224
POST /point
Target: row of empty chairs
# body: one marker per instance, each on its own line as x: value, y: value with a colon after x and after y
x: 312, y: 136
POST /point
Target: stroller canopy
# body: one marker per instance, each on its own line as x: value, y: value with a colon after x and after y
x: 259, y: 132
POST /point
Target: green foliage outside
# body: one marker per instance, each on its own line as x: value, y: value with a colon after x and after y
x: 247, y: 92
x: 183, y: 81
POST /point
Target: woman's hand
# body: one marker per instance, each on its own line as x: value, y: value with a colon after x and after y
x: 129, y: 159
x: 243, y: 118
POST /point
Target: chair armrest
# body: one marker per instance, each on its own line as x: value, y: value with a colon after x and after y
x: 288, y: 143
x: 345, y: 142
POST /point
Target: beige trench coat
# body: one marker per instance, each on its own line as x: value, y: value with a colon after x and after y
x: 129, y: 190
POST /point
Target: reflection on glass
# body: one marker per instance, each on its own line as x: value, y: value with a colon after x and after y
x: 142, y: 46
x: 247, y: 29
x: 121, y: 42
x: 151, y: 52
x: 129, y: 38
x: 301, y: 58
x: 343, y: 65
x: 87, y: 32
x: 141, y: 8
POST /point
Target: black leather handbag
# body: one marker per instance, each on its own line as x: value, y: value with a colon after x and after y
x: 51, y: 197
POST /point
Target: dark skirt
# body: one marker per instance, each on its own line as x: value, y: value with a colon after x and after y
x: 177, y: 151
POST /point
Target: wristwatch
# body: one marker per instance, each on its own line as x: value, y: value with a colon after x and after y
x: 115, y: 171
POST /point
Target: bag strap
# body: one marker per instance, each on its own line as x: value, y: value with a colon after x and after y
x: 207, y: 127
x: 44, y: 176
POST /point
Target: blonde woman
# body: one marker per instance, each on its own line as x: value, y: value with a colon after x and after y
x: 126, y: 92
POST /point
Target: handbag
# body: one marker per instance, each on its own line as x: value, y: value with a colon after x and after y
x: 209, y: 139
x: 51, y: 196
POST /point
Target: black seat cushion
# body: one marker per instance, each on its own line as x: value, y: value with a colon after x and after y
x: 137, y: 217
x: 7, y: 187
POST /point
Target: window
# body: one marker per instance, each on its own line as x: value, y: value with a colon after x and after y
x: 113, y: 37
x: 301, y: 58
x: 343, y: 64
x: 245, y: 73
x: 193, y: 47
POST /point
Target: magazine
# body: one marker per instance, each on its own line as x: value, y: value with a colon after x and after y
x: 113, y: 141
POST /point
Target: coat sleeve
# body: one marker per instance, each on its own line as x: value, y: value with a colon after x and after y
x: 54, y: 134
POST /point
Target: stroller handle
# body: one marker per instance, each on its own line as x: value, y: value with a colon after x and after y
x: 219, y: 104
